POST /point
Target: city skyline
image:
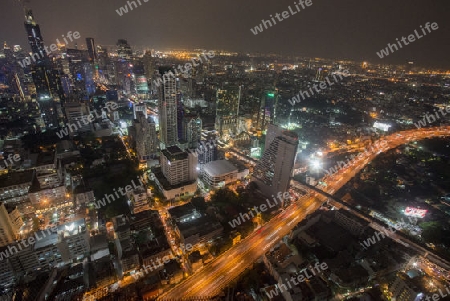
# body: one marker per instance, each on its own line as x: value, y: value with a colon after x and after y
x: 266, y: 156
x: 353, y: 30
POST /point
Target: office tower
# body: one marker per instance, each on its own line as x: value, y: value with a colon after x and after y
x: 192, y: 130
x: 167, y: 105
x: 39, y: 55
x: 10, y: 223
x: 273, y: 172
x: 227, y: 108
x: 149, y: 64
x: 267, y: 111
x: 178, y: 166
x: 124, y: 50
x: 319, y: 75
x: 91, y: 49
x: 207, y: 152
x: 272, y: 132
x: 228, y: 100
x: 146, y: 138
x: 180, y: 117
x: 89, y: 83
x: 47, y: 81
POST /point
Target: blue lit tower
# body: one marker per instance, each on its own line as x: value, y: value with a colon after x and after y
x: 46, y: 80
x: 35, y: 40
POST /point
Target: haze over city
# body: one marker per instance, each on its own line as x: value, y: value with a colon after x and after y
x: 224, y: 151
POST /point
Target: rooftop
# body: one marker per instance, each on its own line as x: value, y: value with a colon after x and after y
x: 173, y: 153
x: 16, y: 178
x: 219, y: 167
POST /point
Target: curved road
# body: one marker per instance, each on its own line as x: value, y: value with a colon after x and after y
x: 215, y: 276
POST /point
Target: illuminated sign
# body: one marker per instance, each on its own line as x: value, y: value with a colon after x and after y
x: 381, y: 126
x: 416, y: 212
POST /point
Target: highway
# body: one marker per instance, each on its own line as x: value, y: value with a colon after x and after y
x: 215, y: 276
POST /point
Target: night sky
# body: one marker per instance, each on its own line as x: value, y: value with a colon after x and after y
x: 347, y: 29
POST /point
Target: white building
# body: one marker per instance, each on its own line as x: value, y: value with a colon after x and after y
x: 221, y: 172
x: 273, y: 172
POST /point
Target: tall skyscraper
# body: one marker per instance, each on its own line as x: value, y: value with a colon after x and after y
x: 91, y: 49
x: 146, y: 139
x: 124, y: 50
x: 228, y: 100
x: 39, y: 55
x: 47, y: 81
x: 227, y: 108
x: 273, y: 172
x: 167, y: 105
x: 267, y: 110
x: 192, y: 130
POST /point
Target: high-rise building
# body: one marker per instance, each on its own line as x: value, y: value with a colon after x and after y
x: 124, y: 50
x: 227, y: 108
x: 180, y: 116
x: 91, y: 49
x: 167, y: 102
x: 139, y: 107
x: 77, y: 114
x: 267, y: 110
x: 149, y: 64
x: 10, y: 223
x: 178, y: 166
x: 39, y: 55
x: 146, y: 138
x: 192, y: 130
x: 228, y: 100
x: 273, y: 172
x: 404, y: 289
x: 47, y: 81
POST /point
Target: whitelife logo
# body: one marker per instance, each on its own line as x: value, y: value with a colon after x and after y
x: 187, y: 67
x: 11, y: 159
x: 386, y: 233
x: 73, y: 127
x: 242, y: 217
x: 151, y: 267
x: 304, y: 275
x: 124, y: 9
x: 25, y: 243
x: 411, y: 38
x: 284, y: 15
x: 430, y: 118
x: 53, y: 47
x: 350, y: 160
x: 322, y: 85
x: 108, y: 198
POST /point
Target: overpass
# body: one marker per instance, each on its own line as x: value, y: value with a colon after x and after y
x: 222, y: 270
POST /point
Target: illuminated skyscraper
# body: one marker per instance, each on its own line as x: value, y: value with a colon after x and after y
x: 124, y: 50
x: 39, y: 55
x: 267, y: 112
x: 46, y: 80
x: 273, y: 172
x: 91, y: 49
x: 146, y: 139
x: 167, y: 102
x: 227, y: 108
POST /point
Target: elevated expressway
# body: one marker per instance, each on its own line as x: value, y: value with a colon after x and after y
x: 210, y: 280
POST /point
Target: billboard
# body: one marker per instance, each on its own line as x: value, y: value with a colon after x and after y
x: 415, y: 212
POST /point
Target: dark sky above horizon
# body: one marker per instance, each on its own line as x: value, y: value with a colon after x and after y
x: 348, y: 29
